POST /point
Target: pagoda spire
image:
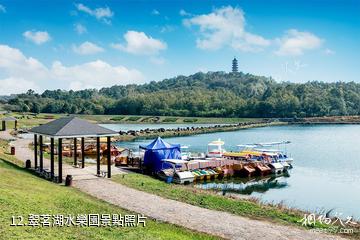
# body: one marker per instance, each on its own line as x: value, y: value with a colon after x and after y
x: 234, y: 65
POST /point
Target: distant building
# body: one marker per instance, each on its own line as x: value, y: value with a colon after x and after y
x: 234, y: 65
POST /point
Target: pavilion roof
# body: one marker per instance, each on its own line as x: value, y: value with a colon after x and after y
x: 8, y: 118
x: 72, y: 127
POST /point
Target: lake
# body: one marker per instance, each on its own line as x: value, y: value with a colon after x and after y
x: 326, y: 173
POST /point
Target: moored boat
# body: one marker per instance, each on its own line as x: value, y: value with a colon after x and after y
x: 215, y: 149
x: 276, y: 168
x: 173, y: 172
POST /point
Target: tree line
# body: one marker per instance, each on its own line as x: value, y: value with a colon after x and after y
x: 212, y: 94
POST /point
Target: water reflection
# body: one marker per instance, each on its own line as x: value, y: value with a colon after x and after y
x: 246, y: 185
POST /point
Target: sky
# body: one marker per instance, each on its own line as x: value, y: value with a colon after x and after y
x: 63, y: 44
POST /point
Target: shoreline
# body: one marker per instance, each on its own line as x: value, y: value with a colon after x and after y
x: 132, y: 135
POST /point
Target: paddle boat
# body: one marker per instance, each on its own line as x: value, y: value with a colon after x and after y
x: 198, y: 175
x: 263, y: 156
x: 276, y: 168
x: 215, y: 149
x: 185, y: 154
x: 173, y: 172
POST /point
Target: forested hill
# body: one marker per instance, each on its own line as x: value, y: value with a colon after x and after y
x: 217, y: 94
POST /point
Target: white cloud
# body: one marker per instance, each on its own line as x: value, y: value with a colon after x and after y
x: 2, y: 9
x: 294, y: 43
x: 155, y: 12
x: 329, y: 52
x: 16, y: 85
x: 37, y: 37
x: 182, y: 12
x: 87, y: 48
x: 139, y: 43
x: 225, y: 27
x: 96, y: 74
x: 80, y: 29
x: 104, y: 14
x: 19, y: 73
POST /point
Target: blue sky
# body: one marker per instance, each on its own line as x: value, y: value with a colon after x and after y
x: 82, y: 44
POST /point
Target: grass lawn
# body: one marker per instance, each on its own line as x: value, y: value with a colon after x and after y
x: 22, y: 193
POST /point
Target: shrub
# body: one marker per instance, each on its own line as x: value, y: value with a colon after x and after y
x: 190, y: 120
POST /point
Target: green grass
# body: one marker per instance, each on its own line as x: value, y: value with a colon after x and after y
x: 5, y: 153
x: 117, y: 118
x: 170, y: 119
x: 22, y: 193
x: 190, y: 120
x: 210, y: 200
x: 133, y: 119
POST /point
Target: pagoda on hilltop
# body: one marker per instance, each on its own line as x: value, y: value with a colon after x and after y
x: 234, y: 65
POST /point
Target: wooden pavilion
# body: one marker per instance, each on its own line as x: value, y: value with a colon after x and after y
x: 8, y: 119
x: 69, y: 128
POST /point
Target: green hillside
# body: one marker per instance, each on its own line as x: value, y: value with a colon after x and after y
x: 212, y: 94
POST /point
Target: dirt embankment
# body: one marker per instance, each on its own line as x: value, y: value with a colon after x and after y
x: 187, y: 131
x: 328, y: 120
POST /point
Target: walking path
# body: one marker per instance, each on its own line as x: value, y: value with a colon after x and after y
x: 217, y: 223
x: 6, y: 135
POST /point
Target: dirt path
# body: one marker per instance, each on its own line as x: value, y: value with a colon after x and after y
x: 217, y: 223
x: 6, y: 135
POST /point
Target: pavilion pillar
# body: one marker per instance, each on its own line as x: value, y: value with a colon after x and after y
x: 75, y: 152
x: 3, y: 125
x: 98, y: 156
x: 52, y: 158
x: 82, y: 152
x: 109, y: 157
x: 41, y: 153
x: 35, y: 151
x: 60, y: 160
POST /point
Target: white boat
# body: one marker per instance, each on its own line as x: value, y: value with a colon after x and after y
x: 176, y: 173
x: 276, y: 167
x: 215, y: 149
x: 185, y: 154
x: 285, y: 165
x: 185, y: 177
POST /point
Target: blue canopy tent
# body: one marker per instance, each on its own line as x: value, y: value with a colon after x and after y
x: 158, y: 150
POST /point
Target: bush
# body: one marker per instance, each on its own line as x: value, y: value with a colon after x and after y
x: 117, y: 118
x: 190, y: 120
x: 170, y: 119
x: 133, y: 119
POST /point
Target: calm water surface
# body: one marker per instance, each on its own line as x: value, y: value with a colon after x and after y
x: 326, y: 173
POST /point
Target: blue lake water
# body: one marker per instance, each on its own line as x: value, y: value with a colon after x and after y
x: 326, y: 173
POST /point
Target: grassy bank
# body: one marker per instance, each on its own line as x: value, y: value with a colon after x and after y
x: 22, y: 193
x: 207, y: 199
